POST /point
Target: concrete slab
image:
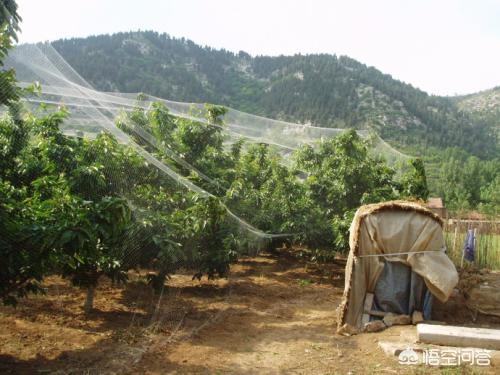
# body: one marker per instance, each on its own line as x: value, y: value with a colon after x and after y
x: 459, y: 336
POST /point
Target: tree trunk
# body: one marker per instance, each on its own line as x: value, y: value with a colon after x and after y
x: 89, y: 301
x: 158, y: 281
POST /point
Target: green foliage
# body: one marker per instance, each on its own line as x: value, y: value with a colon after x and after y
x: 468, y: 182
x: 9, y: 26
x: 341, y: 177
x: 215, y: 246
x: 69, y: 199
x: 490, y: 197
x: 23, y: 264
x: 51, y: 225
x: 86, y: 236
x: 304, y: 282
x: 91, y: 208
x: 414, y: 182
x: 73, y: 198
x: 267, y: 193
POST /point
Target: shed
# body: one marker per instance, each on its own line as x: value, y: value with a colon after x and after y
x: 436, y: 205
x: 397, y: 254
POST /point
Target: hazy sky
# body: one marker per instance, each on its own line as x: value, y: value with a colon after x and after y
x: 441, y: 46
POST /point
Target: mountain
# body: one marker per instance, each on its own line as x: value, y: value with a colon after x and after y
x: 322, y: 90
x: 484, y: 105
x: 484, y: 102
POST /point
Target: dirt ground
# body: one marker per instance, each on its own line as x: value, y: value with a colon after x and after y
x: 274, y: 314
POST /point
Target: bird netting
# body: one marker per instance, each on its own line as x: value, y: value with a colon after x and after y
x: 92, y: 112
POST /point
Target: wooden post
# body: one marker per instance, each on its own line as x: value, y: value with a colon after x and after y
x: 89, y: 301
x: 367, y: 306
x: 462, y: 250
x: 475, y: 246
x: 455, y: 239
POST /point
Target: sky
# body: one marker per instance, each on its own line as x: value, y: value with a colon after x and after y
x: 445, y: 47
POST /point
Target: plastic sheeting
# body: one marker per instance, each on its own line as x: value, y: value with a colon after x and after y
x: 401, y: 291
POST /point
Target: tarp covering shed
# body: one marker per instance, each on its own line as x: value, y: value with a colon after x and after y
x: 403, y: 232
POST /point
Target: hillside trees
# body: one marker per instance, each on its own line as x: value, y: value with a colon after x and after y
x: 490, y: 197
x: 325, y: 90
x: 468, y: 182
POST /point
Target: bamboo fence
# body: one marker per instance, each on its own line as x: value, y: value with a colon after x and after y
x: 487, y: 242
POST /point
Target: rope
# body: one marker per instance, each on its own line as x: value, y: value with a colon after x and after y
x: 443, y: 249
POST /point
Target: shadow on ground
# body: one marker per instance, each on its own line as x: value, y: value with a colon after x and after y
x: 270, y: 304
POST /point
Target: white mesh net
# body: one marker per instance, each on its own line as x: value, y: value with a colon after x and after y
x: 92, y: 112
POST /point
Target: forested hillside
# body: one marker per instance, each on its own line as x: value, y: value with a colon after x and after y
x: 323, y: 90
x: 484, y: 105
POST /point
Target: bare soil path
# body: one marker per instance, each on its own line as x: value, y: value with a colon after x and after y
x: 276, y: 314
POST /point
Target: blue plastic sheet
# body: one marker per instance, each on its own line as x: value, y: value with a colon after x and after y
x: 401, y: 291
